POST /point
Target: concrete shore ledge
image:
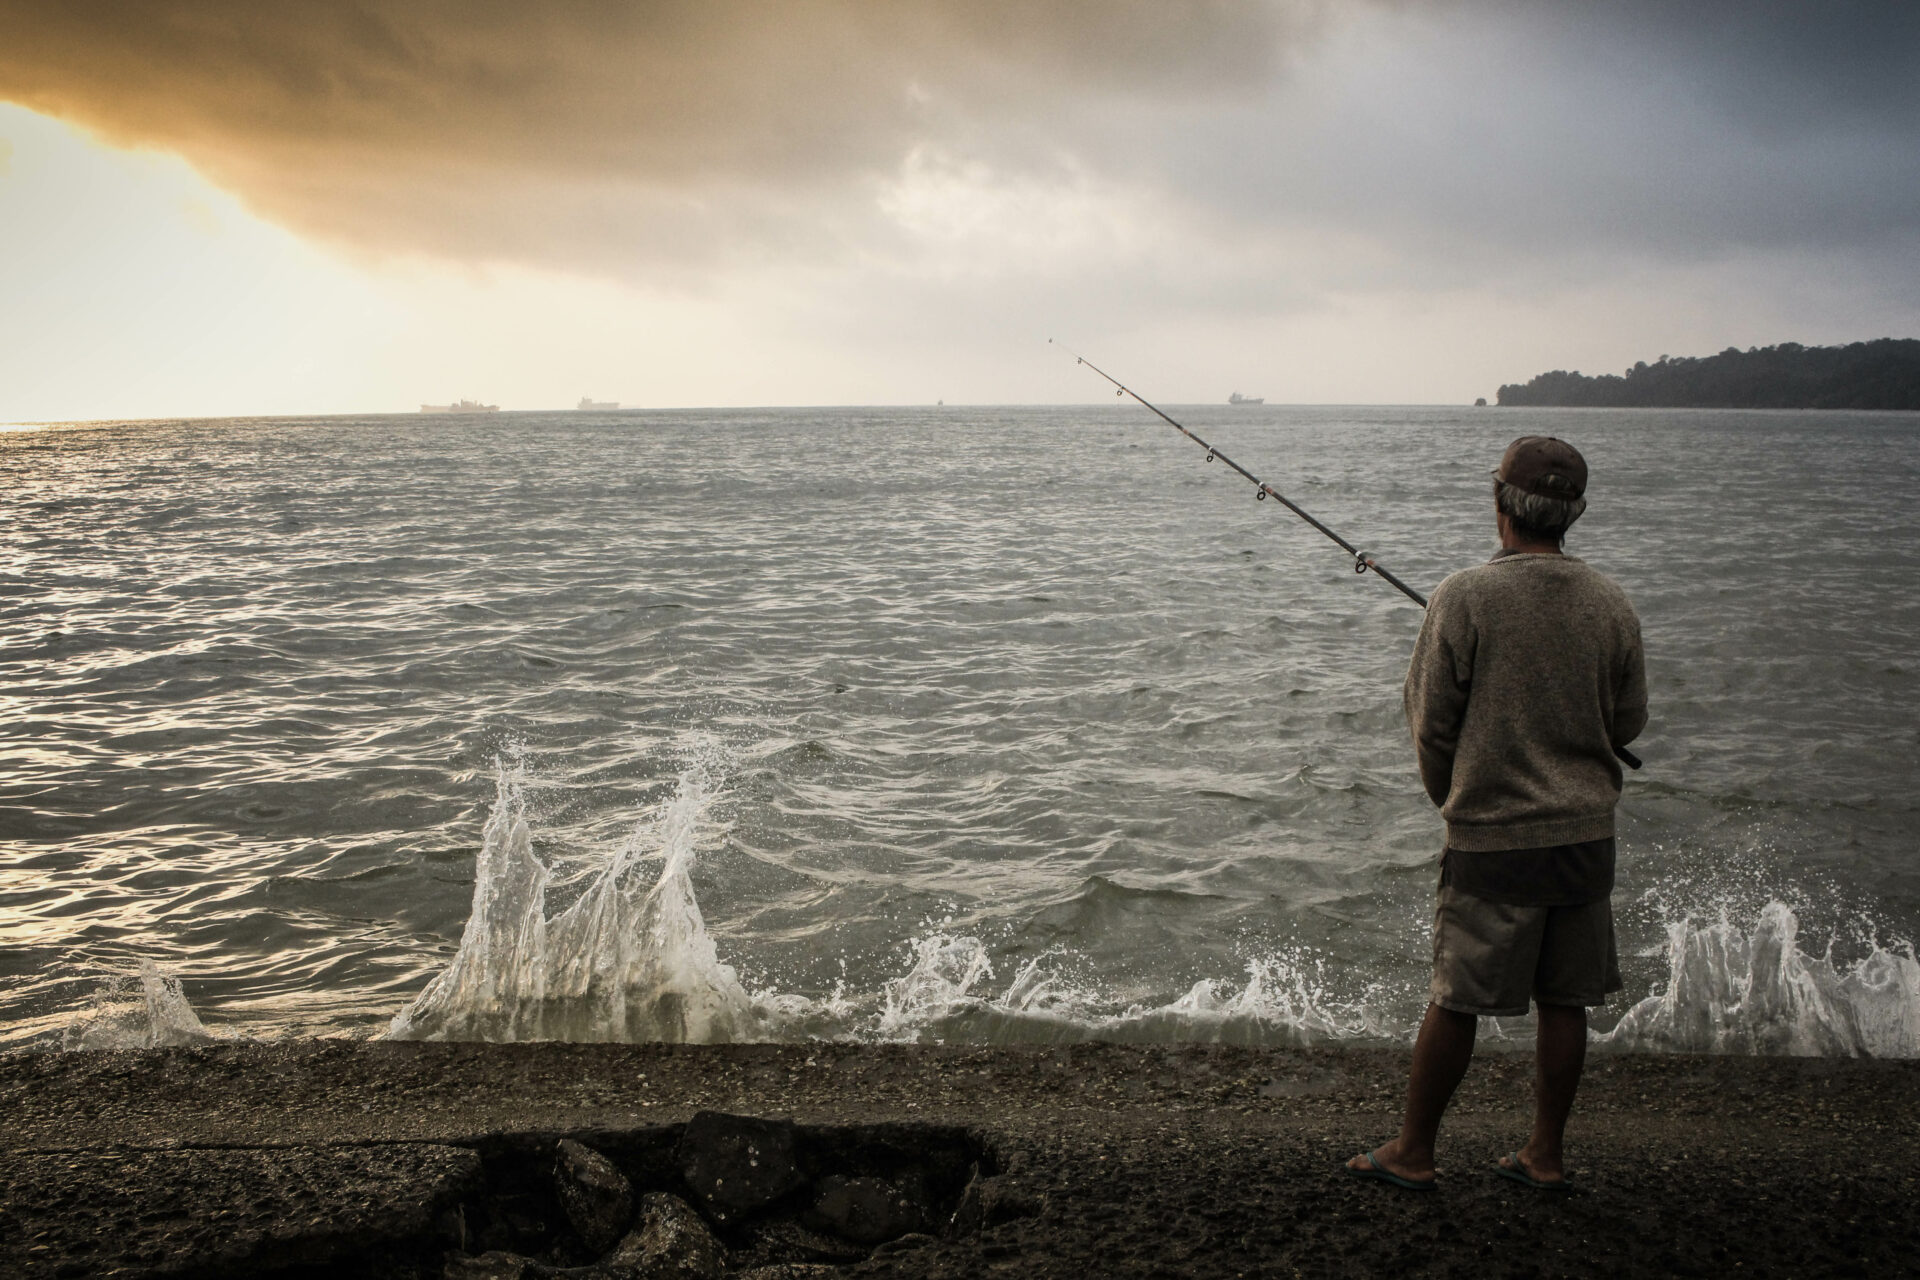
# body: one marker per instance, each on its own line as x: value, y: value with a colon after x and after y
x: 348, y: 1158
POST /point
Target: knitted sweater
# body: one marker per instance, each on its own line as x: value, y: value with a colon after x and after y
x: 1527, y: 673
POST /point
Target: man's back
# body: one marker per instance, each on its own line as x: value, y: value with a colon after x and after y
x: 1527, y: 673
x: 1526, y: 676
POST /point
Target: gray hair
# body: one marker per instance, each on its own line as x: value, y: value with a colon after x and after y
x: 1536, y: 516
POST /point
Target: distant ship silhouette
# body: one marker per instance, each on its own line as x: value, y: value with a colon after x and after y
x: 465, y: 406
x: 1237, y: 398
x: 587, y: 406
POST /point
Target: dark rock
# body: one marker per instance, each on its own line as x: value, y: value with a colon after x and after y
x: 645, y: 1155
x: 514, y: 1221
x: 867, y: 1210
x: 671, y: 1243
x: 789, y: 1271
x: 738, y: 1164
x: 938, y: 1157
x: 776, y: 1240
x: 450, y: 1226
x: 596, y: 1196
x: 912, y: 1240
x: 492, y: 1265
x: 988, y: 1202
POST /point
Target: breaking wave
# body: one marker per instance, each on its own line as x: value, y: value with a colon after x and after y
x: 631, y: 960
x: 947, y: 994
x: 1732, y: 990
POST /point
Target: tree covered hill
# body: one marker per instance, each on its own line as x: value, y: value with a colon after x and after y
x: 1882, y: 374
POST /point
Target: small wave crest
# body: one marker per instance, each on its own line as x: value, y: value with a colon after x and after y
x: 947, y: 995
x: 141, y: 1010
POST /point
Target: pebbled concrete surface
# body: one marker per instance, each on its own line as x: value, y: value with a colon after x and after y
x: 1141, y: 1161
x: 223, y: 1210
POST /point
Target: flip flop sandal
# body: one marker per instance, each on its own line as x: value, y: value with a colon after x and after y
x: 1378, y: 1172
x: 1517, y: 1172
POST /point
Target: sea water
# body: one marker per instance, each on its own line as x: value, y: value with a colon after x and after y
x: 973, y: 725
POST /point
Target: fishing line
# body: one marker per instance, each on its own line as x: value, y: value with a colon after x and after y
x: 1362, y: 562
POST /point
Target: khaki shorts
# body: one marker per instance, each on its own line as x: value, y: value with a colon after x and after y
x: 1489, y: 957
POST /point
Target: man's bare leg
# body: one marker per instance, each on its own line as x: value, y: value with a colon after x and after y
x: 1440, y: 1058
x: 1560, y: 1054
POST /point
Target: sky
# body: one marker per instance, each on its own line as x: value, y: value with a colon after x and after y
x: 219, y: 207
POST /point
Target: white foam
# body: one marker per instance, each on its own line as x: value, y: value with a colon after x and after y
x: 1754, y: 991
x: 1285, y: 1000
x: 945, y: 995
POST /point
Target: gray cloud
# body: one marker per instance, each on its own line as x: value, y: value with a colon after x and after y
x: 1501, y: 133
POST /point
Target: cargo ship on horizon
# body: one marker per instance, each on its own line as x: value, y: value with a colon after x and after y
x: 464, y: 406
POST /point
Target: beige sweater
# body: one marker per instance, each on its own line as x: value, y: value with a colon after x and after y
x: 1527, y: 673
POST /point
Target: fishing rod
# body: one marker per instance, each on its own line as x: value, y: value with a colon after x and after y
x: 1362, y: 562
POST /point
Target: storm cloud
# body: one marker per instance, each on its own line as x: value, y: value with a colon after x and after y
x: 567, y: 131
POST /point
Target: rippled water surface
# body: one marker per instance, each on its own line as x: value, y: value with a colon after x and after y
x: 969, y: 724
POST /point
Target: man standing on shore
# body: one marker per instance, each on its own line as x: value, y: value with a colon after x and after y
x: 1527, y: 674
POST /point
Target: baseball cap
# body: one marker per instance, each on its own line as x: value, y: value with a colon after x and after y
x: 1544, y: 465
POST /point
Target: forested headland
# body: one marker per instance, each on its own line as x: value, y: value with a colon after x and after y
x: 1882, y: 374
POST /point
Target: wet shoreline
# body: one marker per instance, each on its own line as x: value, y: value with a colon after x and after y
x: 1195, y: 1160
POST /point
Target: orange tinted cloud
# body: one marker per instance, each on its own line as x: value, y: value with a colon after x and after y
x: 591, y: 133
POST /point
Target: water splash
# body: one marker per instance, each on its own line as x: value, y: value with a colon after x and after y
x: 939, y: 985
x: 630, y: 960
x: 1732, y: 990
x: 142, y: 1010
x: 945, y: 996
x: 1285, y: 1001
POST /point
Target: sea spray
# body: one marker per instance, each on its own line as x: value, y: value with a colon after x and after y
x: 946, y: 995
x: 1754, y: 991
x: 939, y: 984
x: 630, y: 960
x: 142, y: 1010
x: 1284, y: 1002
